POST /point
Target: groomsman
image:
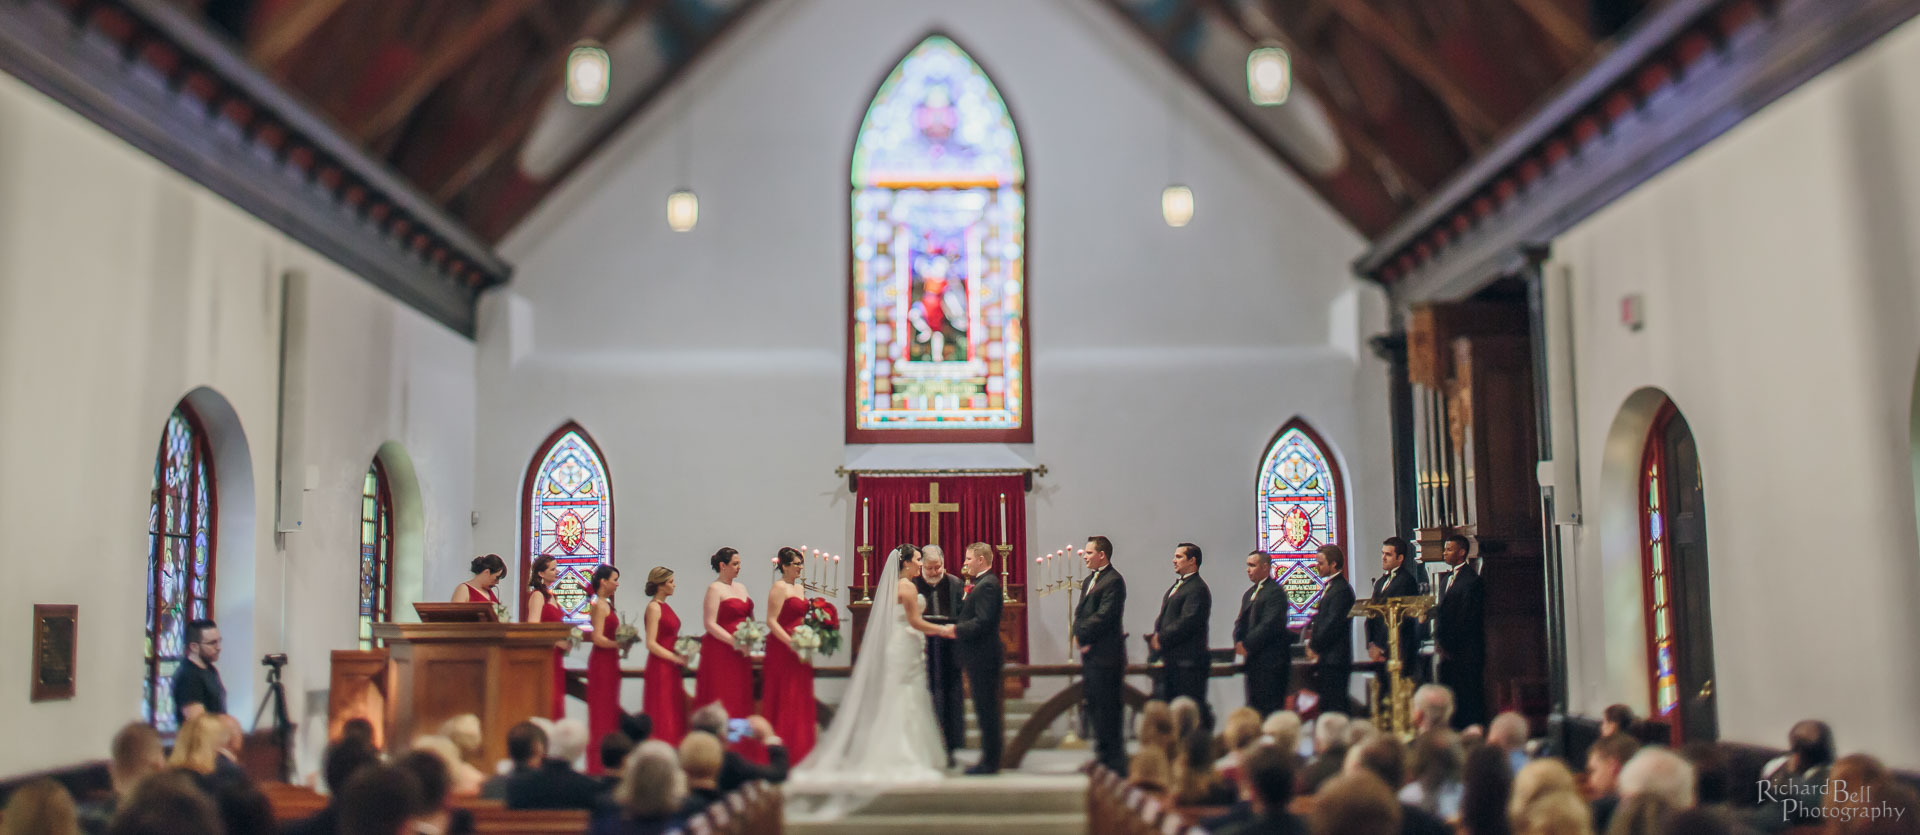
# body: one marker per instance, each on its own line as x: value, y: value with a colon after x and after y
x: 941, y: 593
x: 1261, y: 637
x: 1179, y: 637
x: 1330, y: 633
x: 1460, y: 636
x: 1103, y: 649
x: 1396, y: 580
x: 981, y: 654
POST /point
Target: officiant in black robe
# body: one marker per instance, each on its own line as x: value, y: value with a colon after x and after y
x: 940, y: 591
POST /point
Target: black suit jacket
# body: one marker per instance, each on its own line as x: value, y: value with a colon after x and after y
x: 737, y: 771
x: 1182, y: 624
x: 1261, y: 626
x: 1460, y: 631
x: 947, y: 589
x: 1330, y: 631
x: 977, y: 624
x: 1400, y: 583
x: 555, y: 785
x: 1096, y: 621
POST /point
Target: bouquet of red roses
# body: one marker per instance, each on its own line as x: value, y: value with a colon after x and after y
x: 825, y: 621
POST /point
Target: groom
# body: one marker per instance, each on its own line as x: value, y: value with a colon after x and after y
x: 981, y: 654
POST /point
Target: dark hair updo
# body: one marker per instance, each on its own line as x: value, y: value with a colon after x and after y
x: 489, y: 563
x: 722, y: 557
x: 791, y: 556
x: 601, y: 574
x: 903, y: 554
x: 534, y: 583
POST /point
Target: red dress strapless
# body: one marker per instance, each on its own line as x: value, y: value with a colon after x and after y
x: 549, y: 613
x: 666, y: 696
x: 789, y: 686
x: 726, y: 674
x: 603, y: 692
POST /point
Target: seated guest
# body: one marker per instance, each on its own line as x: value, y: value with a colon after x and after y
x: 361, y: 728
x: 1437, y: 784
x: 1800, y: 772
x: 1537, y: 780
x: 41, y: 807
x: 1856, y: 783
x: 136, y: 753
x: 465, y: 780
x: 1360, y: 732
x: 1619, y: 719
x: 1195, y: 782
x: 567, y: 742
x: 1329, y: 751
x: 167, y: 803
x: 1156, y: 727
x: 1355, y: 804
x: 1712, y: 774
x: 637, y: 726
x: 737, y: 770
x: 1240, y: 731
x: 651, y: 792
x: 1604, y: 760
x: 1508, y: 732
x: 436, y: 814
x: 1186, y: 716
x: 1487, y: 786
x: 1150, y: 772
x: 1267, y: 779
x: 1555, y: 813
x: 614, y: 748
x: 1384, y: 757
x: 554, y: 784
x: 1644, y: 815
x: 243, y: 808
x: 700, y: 755
x: 1282, y: 728
x: 340, y: 762
x: 1432, y: 708
x: 464, y: 732
x: 199, y: 750
x: 380, y: 800
x: 527, y: 748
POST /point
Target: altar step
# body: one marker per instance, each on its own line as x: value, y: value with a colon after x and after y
x: 1004, y: 803
x: 1018, y: 711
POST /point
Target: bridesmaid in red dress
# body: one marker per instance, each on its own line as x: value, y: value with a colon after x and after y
x: 666, y: 696
x: 789, y: 680
x: 542, y: 609
x: 603, y: 663
x: 726, y: 673
x: 487, y: 572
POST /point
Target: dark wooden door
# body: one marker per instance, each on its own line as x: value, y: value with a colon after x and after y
x: 1692, y: 613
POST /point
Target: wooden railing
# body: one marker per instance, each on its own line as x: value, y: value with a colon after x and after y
x: 753, y: 809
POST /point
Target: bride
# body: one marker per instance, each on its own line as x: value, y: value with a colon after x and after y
x: 884, y: 731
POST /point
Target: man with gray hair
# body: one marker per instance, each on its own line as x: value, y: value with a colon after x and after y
x: 1509, y: 733
x: 941, y: 592
x: 1432, y: 707
x: 1329, y: 751
x: 736, y: 770
x: 1659, y: 773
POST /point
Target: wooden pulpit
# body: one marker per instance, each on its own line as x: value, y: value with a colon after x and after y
x: 501, y: 672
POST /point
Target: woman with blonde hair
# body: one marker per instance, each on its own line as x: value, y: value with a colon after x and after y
x: 1553, y: 813
x: 1156, y: 728
x: 1538, y: 779
x: 665, y: 697
x: 1150, y: 772
x: 41, y: 807
x: 198, y: 747
x: 652, y: 789
x: 463, y: 779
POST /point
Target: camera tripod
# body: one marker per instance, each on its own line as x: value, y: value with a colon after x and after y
x: 277, y: 696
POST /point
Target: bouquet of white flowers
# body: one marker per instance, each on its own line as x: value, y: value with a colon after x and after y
x: 688, y: 647
x: 575, y: 638
x: 501, y: 614
x: 805, y: 641
x: 627, y: 635
x: 747, y: 637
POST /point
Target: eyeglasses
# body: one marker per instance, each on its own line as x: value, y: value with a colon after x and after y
x: 213, y: 643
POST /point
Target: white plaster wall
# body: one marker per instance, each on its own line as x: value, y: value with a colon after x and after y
x: 122, y: 288
x: 709, y: 365
x: 1778, y: 271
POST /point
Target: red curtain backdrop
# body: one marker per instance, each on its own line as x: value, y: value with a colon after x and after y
x: 978, y: 519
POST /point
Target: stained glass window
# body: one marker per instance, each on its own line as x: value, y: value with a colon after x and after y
x: 376, y: 552
x: 1300, y: 509
x: 1653, y: 529
x: 939, y: 258
x: 179, y: 557
x: 570, y: 513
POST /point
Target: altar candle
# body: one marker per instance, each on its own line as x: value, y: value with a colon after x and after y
x: 1003, y: 519
x: 866, y: 522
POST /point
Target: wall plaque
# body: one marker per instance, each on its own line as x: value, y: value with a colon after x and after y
x: 55, y: 634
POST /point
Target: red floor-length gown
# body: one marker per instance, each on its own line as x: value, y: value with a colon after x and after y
x: 550, y: 613
x: 789, y: 686
x: 726, y: 675
x: 603, y: 692
x: 666, y: 696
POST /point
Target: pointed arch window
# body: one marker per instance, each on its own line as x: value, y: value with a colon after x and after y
x: 1300, y: 508
x: 1655, y: 560
x: 376, y: 552
x: 569, y: 514
x: 937, y: 335
x: 180, y: 556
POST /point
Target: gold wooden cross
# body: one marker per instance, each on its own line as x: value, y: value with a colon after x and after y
x: 933, y: 507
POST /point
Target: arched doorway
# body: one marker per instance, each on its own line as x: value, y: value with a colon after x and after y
x: 1673, y: 545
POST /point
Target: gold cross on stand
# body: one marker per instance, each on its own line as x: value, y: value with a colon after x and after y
x: 933, y: 507
x: 1399, y: 712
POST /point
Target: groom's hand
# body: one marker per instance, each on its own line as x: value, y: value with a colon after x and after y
x: 949, y: 632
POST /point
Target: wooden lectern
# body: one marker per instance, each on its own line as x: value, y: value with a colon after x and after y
x: 501, y: 672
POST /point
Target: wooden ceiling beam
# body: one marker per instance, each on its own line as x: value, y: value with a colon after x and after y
x: 449, y: 54
x: 1477, y: 126
x: 285, y: 32
x: 1570, y: 37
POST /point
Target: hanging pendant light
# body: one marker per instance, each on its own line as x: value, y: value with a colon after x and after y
x: 683, y: 210
x: 1176, y: 205
x: 589, y: 74
x: 1269, y: 76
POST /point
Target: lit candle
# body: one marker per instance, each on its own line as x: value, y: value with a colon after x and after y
x: 1003, y: 518
x: 866, y: 520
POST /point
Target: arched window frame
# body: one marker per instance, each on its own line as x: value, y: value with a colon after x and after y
x: 1336, y: 504
x: 529, y: 520
x: 166, y: 647
x: 1016, y: 373
x: 1663, y: 696
x: 376, y: 551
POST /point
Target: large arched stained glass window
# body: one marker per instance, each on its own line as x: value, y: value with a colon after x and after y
x: 1301, y: 508
x: 938, y: 333
x: 376, y: 552
x: 1656, y: 557
x: 569, y: 503
x: 179, y: 556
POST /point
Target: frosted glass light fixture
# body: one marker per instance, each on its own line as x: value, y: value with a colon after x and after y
x: 1269, y: 76
x: 589, y: 74
x: 1176, y: 205
x: 683, y: 210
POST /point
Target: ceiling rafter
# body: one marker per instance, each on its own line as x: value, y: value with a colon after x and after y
x: 449, y: 54
x: 287, y: 31
x: 1476, y: 126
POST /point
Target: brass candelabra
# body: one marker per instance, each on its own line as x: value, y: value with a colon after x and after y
x: 865, y: 553
x: 1395, y: 610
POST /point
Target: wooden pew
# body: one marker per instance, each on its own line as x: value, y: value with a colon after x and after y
x: 753, y: 809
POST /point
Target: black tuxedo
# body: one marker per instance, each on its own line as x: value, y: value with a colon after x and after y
x: 1398, y: 583
x: 1460, y: 634
x: 1330, y: 636
x: 943, y: 660
x: 1262, y: 629
x: 982, y: 655
x: 1182, y: 628
x: 1096, y: 626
